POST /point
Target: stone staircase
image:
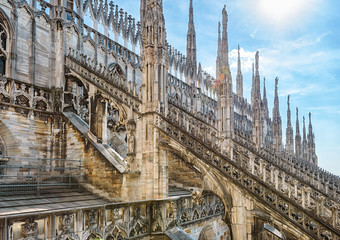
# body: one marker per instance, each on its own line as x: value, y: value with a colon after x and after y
x: 108, y: 152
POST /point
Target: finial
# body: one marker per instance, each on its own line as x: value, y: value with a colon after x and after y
x: 276, y: 83
x: 257, y: 60
x: 288, y: 101
x: 191, y: 13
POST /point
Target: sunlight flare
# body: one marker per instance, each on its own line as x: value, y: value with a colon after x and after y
x: 281, y: 9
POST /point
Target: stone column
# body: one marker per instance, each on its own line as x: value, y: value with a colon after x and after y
x: 335, y: 219
x: 261, y: 165
x: 264, y: 172
x: 239, y: 222
x: 51, y: 227
x: 295, y: 182
x: 308, y: 191
x: 271, y: 173
x: 78, y: 226
x: 252, y: 163
x: 283, y: 174
x: 276, y: 176
x: 320, y: 210
x: 318, y: 182
x: 303, y: 196
x: 327, y: 187
x: 239, y: 215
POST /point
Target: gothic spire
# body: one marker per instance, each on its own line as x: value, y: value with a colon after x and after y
x: 252, y: 85
x: 256, y: 105
x: 239, y: 77
x: 289, y: 131
x: 265, y: 100
x: 277, y: 123
x: 276, y: 110
x: 310, y: 127
x: 154, y: 58
x: 297, y: 136
x: 219, y: 49
x: 191, y: 41
x: 142, y: 12
x: 224, y: 45
x: 311, y: 142
x: 225, y: 94
x: 256, y: 91
x: 257, y: 76
x: 304, y: 142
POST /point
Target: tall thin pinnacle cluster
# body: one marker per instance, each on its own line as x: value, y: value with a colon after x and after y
x: 256, y: 104
x: 239, y: 77
x: 263, y: 130
x: 297, y: 137
x: 224, y: 65
x: 289, y: 131
x: 234, y: 113
x: 225, y: 92
x: 304, y: 141
x: 219, y: 49
x: 265, y: 101
x: 277, y: 122
x: 191, y: 42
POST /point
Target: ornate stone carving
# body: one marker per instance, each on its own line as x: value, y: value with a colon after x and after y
x: 4, y: 95
x: 117, y: 229
x: 67, y: 233
x: 30, y: 229
x: 157, y: 219
x: 138, y: 224
x: 92, y: 224
x: 40, y: 101
x: 22, y: 96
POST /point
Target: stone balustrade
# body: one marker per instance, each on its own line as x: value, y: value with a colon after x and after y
x: 112, y: 84
x: 116, y: 220
x: 299, y: 209
x: 26, y: 96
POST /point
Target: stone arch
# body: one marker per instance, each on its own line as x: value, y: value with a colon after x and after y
x: 115, y: 68
x: 93, y: 236
x: 211, y: 182
x: 76, y: 98
x: 207, y: 233
x: 10, y: 145
x: 6, y: 43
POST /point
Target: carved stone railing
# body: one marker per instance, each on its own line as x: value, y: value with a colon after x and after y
x: 115, y: 18
x: 180, y: 91
x: 26, y: 96
x: 200, y: 129
x: 132, y: 220
x: 111, y: 84
x: 307, y: 174
x: 311, y: 220
x: 305, y: 190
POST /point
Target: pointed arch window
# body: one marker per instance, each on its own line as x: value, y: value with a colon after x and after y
x: 3, y: 47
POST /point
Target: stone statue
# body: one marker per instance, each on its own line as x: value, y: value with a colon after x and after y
x: 131, y: 144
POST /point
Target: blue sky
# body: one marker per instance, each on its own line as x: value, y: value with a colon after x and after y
x: 299, y: 42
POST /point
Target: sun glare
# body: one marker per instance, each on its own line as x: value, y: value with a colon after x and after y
x: 280, y: 10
